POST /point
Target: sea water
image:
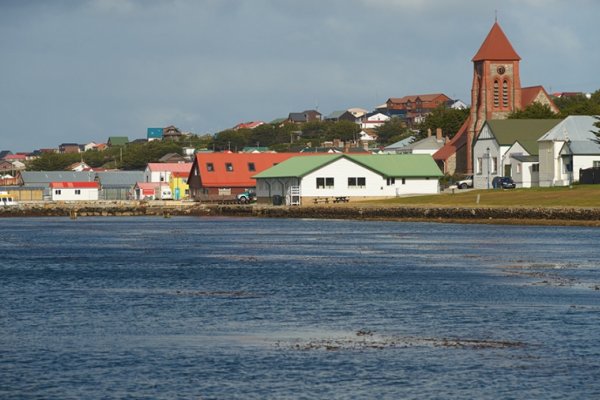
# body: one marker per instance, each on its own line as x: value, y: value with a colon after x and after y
x: 241, y: 308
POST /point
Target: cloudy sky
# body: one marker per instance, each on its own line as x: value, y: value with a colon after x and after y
x: 83, y: 70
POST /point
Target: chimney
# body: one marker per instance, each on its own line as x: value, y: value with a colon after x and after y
x: 438, y: 134
x: 428, y: 132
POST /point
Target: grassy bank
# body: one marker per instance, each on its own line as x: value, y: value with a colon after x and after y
x: 577, y: 196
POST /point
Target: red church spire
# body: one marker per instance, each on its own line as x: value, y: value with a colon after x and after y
x: 496, y: 46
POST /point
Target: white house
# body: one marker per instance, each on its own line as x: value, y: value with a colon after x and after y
x: 567, y: 148
x: 349, y: 176
x: 161, y: 172
x: 499, y: 141
x: 74, y: 191
x: 374, y: 120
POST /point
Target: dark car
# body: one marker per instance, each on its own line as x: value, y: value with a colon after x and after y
x: 503, y: 182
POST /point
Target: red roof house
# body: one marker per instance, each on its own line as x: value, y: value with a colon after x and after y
x: 217, y: 175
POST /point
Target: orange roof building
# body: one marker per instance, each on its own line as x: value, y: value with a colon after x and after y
x: 218, y: 175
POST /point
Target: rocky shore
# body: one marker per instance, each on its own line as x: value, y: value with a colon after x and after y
x: 512, y: 215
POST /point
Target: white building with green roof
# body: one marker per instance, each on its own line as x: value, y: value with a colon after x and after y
x: 348, y: 176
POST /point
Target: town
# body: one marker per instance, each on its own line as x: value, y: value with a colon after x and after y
x: 510, y: 136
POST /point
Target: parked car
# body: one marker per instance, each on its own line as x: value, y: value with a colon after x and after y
x: 503, y: 182
x: 465, y: 183
x: 248, y: 196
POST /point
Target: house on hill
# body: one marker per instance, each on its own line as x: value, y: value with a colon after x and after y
x: 345, y: 176
x: 222, y: 175
x: 413, y: 109
x: 304, y: 116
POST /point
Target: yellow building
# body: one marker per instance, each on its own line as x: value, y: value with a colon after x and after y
x: 179, y: 186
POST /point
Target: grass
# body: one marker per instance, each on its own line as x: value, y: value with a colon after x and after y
x: 577, y: 196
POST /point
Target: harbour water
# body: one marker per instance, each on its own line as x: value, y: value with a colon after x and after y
x: 243, y: 308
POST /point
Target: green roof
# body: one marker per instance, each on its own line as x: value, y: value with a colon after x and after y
x: 118, y: 140
x: 524, y: 131
x: 387, y: 165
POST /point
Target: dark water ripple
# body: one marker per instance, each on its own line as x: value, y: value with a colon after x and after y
x: 226, y: 308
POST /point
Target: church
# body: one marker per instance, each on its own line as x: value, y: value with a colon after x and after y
x: 496, y: 92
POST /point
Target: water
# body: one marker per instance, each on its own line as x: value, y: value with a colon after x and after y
x: 228, y: 308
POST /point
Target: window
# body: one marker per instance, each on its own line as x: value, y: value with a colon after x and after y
x: 77, y: 191
x: 596, y: 164
x: 518, y: 168
x: 229, y: 167
x: 391, y: 181
x: 496, y: 94
x: 357, y: 182
x: 505, y: 93
x: 479, y: 165
x: 251, y: 167
x: 494, y: 165
x: 210, y: 167
x: 57, y: 191
x: 323, y: 183
x: 535, y: 168
x: 404, y: 181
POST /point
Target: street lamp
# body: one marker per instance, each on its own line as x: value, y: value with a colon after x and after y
x: 488, y: 166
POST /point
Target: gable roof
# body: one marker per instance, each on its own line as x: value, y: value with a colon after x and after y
x: 170, y: 167
x: 387, y: 165
x: 531, y: 93
x: 496, y: 46
x: 573, y: 128
x: 240, y: 174
x: 524, y: 131
x: 37, y: 178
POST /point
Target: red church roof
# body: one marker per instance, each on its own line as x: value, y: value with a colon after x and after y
x: 496, y: 46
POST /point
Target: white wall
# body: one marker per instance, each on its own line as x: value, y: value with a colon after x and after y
x: 68, y: 194
x: 523, y: 174
x: 156, y: 176
x: 482, y: 177
x: 375, y: 184
x: 583, y: 162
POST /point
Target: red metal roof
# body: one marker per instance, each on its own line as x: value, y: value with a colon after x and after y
x: 171, y: 167
x: 236, y: 169
x: 458, y: 141
x: 74, y: 185
x: 496, y: 46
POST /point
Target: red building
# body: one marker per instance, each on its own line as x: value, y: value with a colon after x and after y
x: 495, y: 93
x: 217, y: 176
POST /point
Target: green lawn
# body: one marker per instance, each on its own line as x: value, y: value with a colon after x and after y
x: 577, y: 196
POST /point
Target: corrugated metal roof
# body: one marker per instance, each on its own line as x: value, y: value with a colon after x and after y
x: 574, y: 127
x: 119, y: 178
x: 389, y: 165
x: 74, y: 185
x: 584, y: 147
x: 43, y: 178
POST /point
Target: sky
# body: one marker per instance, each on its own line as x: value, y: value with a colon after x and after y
x: 83, y: 70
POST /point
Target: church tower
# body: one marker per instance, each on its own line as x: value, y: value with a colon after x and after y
x: 496, y: 89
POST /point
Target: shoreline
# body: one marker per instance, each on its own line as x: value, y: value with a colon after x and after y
x: 562, y: 216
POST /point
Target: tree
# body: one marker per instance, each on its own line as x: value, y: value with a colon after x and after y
x: 534, y: 111
x: 137, y: 156
x: 343, y: 130
x: 233, y: 140
x: 448, y: 119
x: 392, y: 131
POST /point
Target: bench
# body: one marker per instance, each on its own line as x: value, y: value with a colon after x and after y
x: 318, y: 200
x: 341, y: 199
